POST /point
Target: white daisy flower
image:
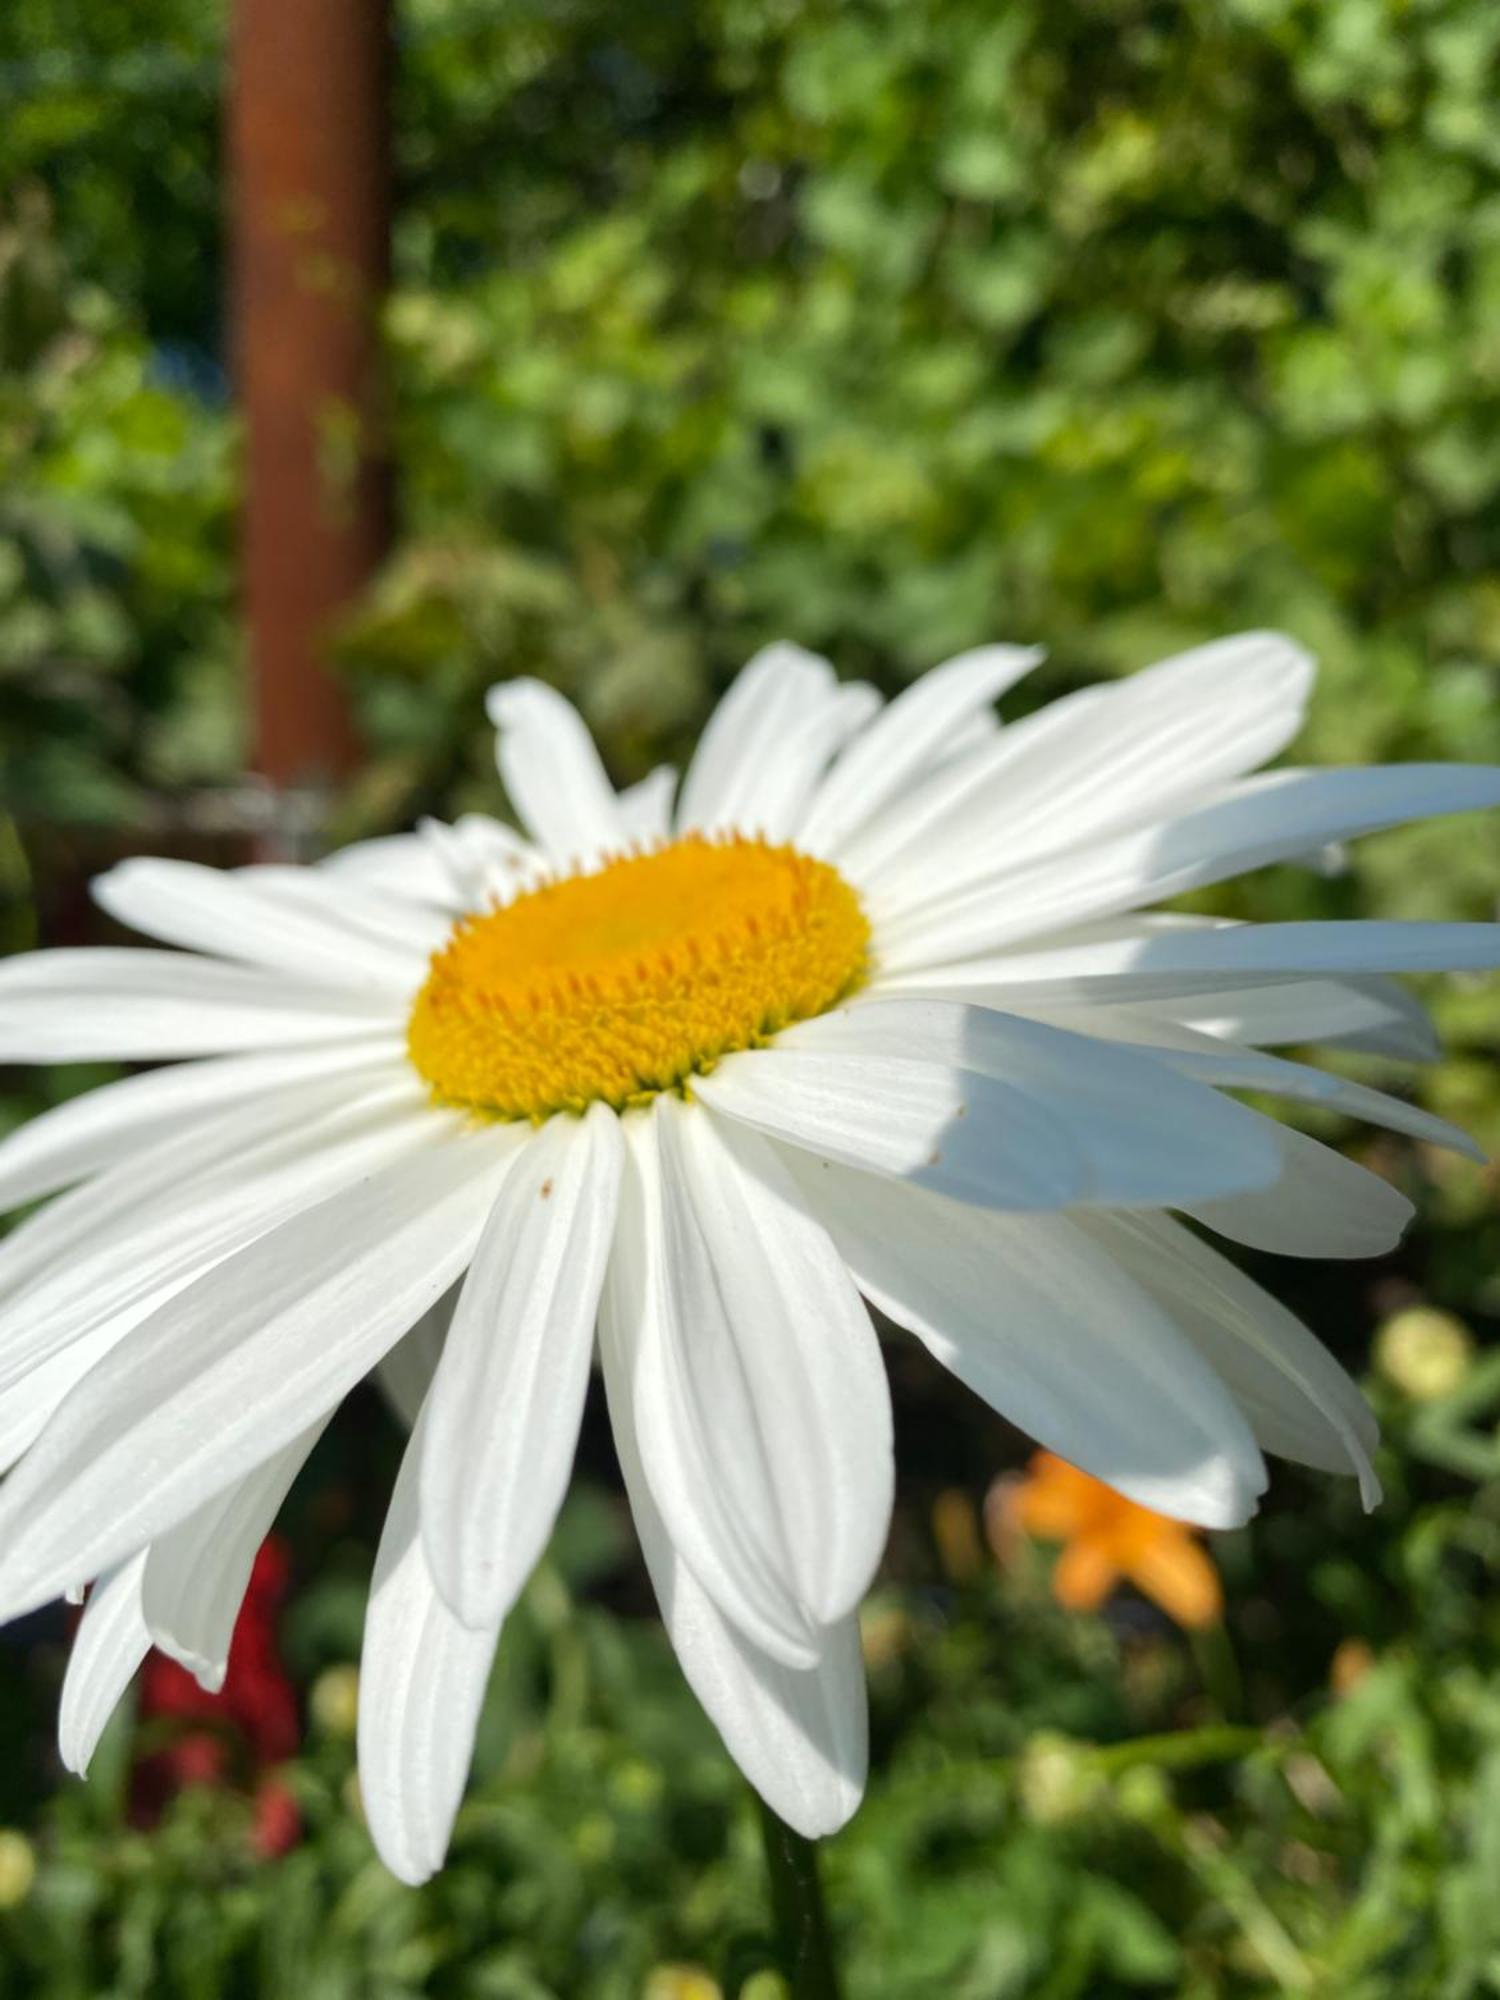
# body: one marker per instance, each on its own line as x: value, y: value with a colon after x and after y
x: 870, y: 1016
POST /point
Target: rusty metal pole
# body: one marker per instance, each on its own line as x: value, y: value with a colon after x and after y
x: 309, y: 164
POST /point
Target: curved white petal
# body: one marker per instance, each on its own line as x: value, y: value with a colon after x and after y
x: 1116, y: 757
x: 771, y: 798
x: 1197, y: 1055
x: 152, y: 1252
x: 1252, y: 824
x: 1053, y: 1334
x: 923, y: 1122
x: 1139, y: 963
x: 759, y: 1393
x: 99, y: 1128
x: 506, y: 1402
x: 422, y: 1678
x: 646, y: 808
x: 798, y: 1734
x: 248, y: 918
x: 552, y: 773
x: 1300, y: 1403
x: 1146, y: 1137
x: 1322, y: 1206
x: 101, y: 1004
x: 484, y: 860
x: 405, y: 1374
x: 162, y: 1177
x: 765, y: 706
x: 108, y: 1647
x: 196, y: 1573
x: 234, y: 1366
x: 902, y: 743
x: 398, y: 864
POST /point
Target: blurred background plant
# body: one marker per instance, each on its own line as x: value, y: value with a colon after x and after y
x: 1113, y: 324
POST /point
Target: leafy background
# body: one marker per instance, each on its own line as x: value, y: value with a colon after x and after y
x: 894, y: 326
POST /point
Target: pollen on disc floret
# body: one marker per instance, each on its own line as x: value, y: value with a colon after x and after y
x: 615, y: 985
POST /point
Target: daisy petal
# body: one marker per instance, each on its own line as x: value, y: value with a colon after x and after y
x: 231, y: 916
x: 552, y: 773
x: 108, y: 1647
x: 1300, y: 1403
x: 1261, y: 821
x: 180, y: 1240
x: 1322, y: 1206
x: 197, y: 1573
x: 646, y: 808
x: 1096, y: 763
x: 107, y: 1005
x: 422, y: 1679
x: 507, y: 1400
x: 901, y: 743
x: 235, y: 1366
x: 101, y: 1127
x: 925, y: 1123
x: 1146, y: 1137
x: 1147, y: 964
x: 157, y: 1179
x: 1054, y: 1335
x: 768, y: 702
x: 405, y: 1374
x: 798, y: 1734
x: 758, y: 1389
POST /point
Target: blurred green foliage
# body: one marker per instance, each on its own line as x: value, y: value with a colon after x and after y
x: 892, y: 327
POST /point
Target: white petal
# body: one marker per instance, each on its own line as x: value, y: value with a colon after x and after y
x: 507, y: 1400
x: 759, y: 1393
x: 349, y: 902
x: 400, y: 864
x: 1123, y: 756
x: 108, y: 1005
x: 646, y: 808
x: 248, y: 918
x: 1263, y: 820
x: 1322, y: 1206
x: 798, y: 1734
x: 422, y: 1678
x: 484, y: 860
x: 1300, y: 1403
x: 141, y: 1190
x: 1154, y: 963
x: 108, y: 1647
x: 1373, y: 1014
x: 1146, y: 1137
x: 27, y: 1406
x: 405, y: 1374
x: 101, y: 1127
x: 913, y: 734
x: 1198, y: 1055
x: 923, y: 1122
x: 197, y: 1573
x: 1053, y: 1334
x: 767, y: 704
x: 552, y: 773
x: 232, y: 1368
x: 771, y: 798
x: 183, y: 1239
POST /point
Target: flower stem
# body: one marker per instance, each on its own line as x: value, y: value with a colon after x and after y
x: 801, y: 1921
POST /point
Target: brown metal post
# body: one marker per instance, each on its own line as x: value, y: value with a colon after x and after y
x: 308, y: 142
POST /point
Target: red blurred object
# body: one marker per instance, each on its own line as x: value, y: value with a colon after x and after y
x: 243, y: 1732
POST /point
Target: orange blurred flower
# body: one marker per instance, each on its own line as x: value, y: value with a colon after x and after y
x: 1108, y: 1539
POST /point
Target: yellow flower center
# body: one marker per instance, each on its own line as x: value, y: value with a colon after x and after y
x: 627, y: 982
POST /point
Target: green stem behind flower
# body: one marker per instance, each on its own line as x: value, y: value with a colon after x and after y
x: 801, y: 1921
